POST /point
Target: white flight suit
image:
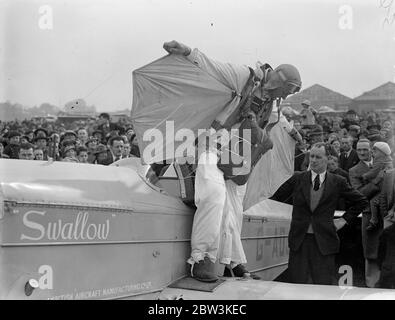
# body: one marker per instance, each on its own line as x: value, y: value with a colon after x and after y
x: 210, y: 196
x: 211, y: 192
x: 231, y: 248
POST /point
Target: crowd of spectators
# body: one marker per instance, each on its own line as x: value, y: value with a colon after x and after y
x: 361, y: 148
x: 98, y: 141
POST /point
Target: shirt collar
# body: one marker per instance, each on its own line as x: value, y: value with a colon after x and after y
x: 322, y: 176
x: 348, y: 152
x: 369, y: 163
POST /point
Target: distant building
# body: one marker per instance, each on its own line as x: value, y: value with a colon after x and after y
x: 319, y: 96
x: 382, y: 97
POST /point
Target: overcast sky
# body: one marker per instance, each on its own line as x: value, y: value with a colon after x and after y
x: 94, y: 46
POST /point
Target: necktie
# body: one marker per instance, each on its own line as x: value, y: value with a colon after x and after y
x: 317, y: 182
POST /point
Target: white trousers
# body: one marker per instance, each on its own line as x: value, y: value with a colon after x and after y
x: 210, y: 196
x: 231, y: 249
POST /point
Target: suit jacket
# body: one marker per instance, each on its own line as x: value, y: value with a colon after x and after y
x: 387, y: 192
x: 299, y: 186
x: 355, y: 173
x: 370, y: 240
x: 347, y: 163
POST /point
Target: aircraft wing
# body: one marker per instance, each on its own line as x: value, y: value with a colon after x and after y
x: 242, y: 289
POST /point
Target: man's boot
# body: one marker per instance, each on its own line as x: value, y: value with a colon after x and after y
x: 204, y: 271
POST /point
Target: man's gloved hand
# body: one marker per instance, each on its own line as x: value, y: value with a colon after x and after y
x: 176, y: 48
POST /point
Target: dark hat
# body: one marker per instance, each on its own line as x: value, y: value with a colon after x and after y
x: 39, y: 137
x: 354, y: 127
x: 351, y: 112
x: 67, y: 148
x: 91, y: 139
x: 37, y: 131
x: 317, y: 130
x: 97, y: 131
x: 101, y: 148
x: 69, y: 132
x: 128, y: 129
x: 12, y: 134
x: 374, y: 126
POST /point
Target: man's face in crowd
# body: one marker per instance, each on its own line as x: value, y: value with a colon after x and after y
x: 346, y: 144
x: 83, y: 157
x: 336, y: 145
x: 26, y: 154
x: 41, y: 143
x: 364, y: 151
x: 318, y: 159
x: 387, y: 125
x: 102, y: 158
x: 38, y: 154
x: 14, y: 140
x: 98, y: 136
x: 332, y: 165
x: 82, y: 135
x: 126, y: 149
x: 117, y: 147
x: 70, y: 137
x: 336, y: 125
x: 23, y: 140
x: 70, y: 153
x: 353, y: 133
x: 31, y: 135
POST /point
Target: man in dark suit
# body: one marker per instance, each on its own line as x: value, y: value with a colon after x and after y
x: 312, y: 239
x: 370, y: 240
x: 348, y: 157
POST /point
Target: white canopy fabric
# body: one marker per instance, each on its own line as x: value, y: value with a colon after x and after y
x: 325, y: 109
x: 174, y: 89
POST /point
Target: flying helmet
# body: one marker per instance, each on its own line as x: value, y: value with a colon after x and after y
x: 290, y: 77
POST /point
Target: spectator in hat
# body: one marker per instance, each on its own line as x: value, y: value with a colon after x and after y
x: 12, y: 149
x: 106, y: 126
x: 354, y: 131
x: 24, y: 139
x: 41, y: 143
x: 333, y: 167
x: 82, y: 154
x: 307, y: 114
x: 335, y: 146
x: 315, y: 135
x: 41, y: 132
x: 348, y: 156
x: 351, y: 119
x: 91, y: 145
x: 25, y: 151
x: 129, y: 133
x: 68, y: 151
x: 38, y: 154
x: 69, y: 135
x: 101, y: 154
x: 382, y: 161
x: 30, y: 136
x: 134, y: 147
x: 98, y: 134
x: 2, y: 155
